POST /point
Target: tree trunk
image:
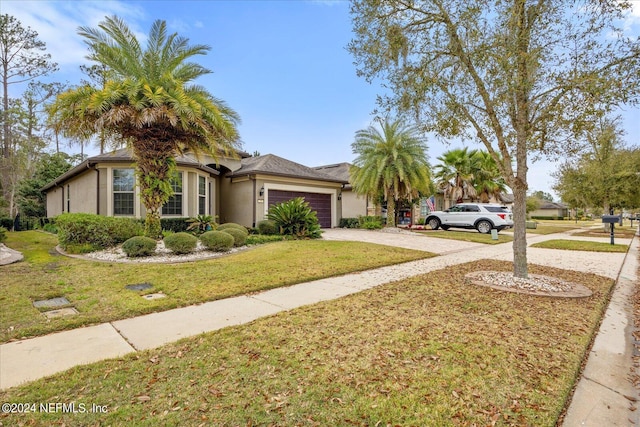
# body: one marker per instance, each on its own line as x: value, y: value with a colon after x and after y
x: 155, y: 167
x: 391, y: 212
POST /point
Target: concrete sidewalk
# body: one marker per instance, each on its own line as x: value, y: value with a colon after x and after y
x: 604, y: 392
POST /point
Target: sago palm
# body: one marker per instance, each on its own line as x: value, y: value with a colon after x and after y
x: 150, y: 104
x: 391, y: 162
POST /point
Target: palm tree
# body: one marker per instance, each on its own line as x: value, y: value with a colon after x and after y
x: 455, y: 174
x: 148, y: 102
x: 391, y: 163
x: 487, y: 181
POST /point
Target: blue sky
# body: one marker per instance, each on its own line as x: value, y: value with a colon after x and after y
x: 282, y: 65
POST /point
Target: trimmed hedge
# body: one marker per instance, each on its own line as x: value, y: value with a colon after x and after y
x: 218, y: 241
x: 181, y: 243
x: 268, y: 227
x: 139, y: 246
x: 176, y: 225
x: 349, y: 223
x: 238, y: 236
x: 233, y: 225
x: 95, y: 232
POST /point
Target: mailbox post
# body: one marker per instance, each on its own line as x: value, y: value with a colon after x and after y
x: 612, y: 219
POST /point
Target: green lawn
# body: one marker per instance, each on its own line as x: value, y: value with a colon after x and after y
x: 431, y: 350
x: 468, y: 236
x: 581, y: 245
x: 97, y: 289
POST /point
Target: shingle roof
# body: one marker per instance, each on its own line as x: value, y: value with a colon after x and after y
x: 338, y: 170
x: 270, y: 164
x: 117, y: 156
x: 544, y: 204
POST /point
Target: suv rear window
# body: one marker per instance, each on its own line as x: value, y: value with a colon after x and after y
x: 496, y: 208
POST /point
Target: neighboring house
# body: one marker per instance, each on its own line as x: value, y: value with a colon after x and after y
x: 237, y: 190
x: 550, y: 210
x: 353, y: 205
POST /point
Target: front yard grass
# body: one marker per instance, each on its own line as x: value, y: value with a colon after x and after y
x: 581, y: 245
x: 468, y: 236
x: 97, y: 289
x: 430, y: 351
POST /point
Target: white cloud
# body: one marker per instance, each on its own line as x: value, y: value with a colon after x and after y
x: 57, y: 23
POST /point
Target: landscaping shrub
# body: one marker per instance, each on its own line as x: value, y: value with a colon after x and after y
x: 239, y: 237
x: 268, y: 227
x: 218, y: 241
x: 202, y: 223
x: 174, y: 224
x: 258, y: 239
x: 6, y: 222
x: 181, y: 243
x: 3, y: 234
x: 139, y: 246
x: 94, y: 232
x: 371, y: 222
x: 50, y: 228
x: 349, y: 223
x: 228, y: 225
x: 295, y: 218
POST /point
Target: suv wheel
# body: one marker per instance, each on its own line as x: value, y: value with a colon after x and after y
x: 484, y: 227
x: 434, y: 223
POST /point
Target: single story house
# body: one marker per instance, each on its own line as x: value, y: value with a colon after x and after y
x: 235, y: 189
x: 550, y: 210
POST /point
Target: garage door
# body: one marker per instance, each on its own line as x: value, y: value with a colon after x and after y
x: 320, y: 203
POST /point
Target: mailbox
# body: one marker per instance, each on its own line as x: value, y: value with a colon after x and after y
x: 611, y: 219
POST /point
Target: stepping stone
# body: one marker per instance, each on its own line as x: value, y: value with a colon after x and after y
x: 154, y: 296
x: 69, y: 311
x: 53, y: 302
x: 139, y: 286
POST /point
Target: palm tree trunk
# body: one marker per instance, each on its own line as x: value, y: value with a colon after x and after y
x: 155, y: 168
x: 391, y: 212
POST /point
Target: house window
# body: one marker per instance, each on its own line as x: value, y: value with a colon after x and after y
x: 68, y: 199
x: 202, y: 195
x: 174, y: 204
x: 123, y: 191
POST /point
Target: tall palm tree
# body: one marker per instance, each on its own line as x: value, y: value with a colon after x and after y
x: 488, y: 181
x: 455, y: 174
x: 391, y: 163
x: 149, y: 102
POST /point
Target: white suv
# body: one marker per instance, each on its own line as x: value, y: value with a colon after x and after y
x: 481, y: 216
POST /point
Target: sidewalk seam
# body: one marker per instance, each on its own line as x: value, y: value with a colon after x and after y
x: 124, y: 338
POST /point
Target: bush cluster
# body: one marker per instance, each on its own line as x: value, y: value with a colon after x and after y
x: 218, y: 241
x: 228, y: 225
x: 181, y: 243
x: 268, y: 227
x: 371, y: 222
x: 139, y: 246
x: 349, y: 223
x: 239, y: 237
x: 6, y: 222
x: 174, y: 224
x: 94, y: 232
x: 3, y: 234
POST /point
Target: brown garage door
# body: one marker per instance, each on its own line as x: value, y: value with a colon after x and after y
x: 321, y: 203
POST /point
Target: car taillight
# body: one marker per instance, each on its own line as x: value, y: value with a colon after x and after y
x: 502, y: 216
